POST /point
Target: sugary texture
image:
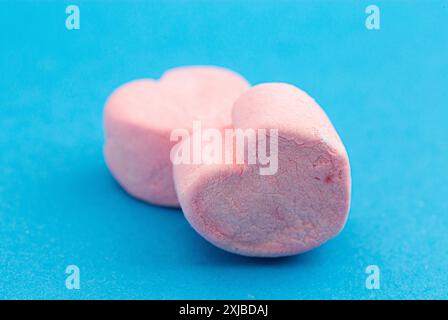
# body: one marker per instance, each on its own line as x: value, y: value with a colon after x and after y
x: 140, y: 115
x: 295, y: 210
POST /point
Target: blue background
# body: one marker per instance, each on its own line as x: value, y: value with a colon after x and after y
x: 386, y: 92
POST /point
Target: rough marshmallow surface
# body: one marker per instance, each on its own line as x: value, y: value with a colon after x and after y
x: 295, y: 210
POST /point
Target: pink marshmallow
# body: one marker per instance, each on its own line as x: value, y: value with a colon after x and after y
x: 140, y: 115
x: 301, y: 206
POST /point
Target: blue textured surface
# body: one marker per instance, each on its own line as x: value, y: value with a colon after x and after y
x: 386, y: 92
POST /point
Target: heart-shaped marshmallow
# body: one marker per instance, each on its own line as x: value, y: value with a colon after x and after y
x: 297, y: 207
x: 140, y: 116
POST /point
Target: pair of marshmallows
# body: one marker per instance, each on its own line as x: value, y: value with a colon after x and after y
x: 265, y: 174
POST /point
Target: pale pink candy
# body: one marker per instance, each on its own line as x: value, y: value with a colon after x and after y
x: 297, y: 209
x: 140, y: 115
